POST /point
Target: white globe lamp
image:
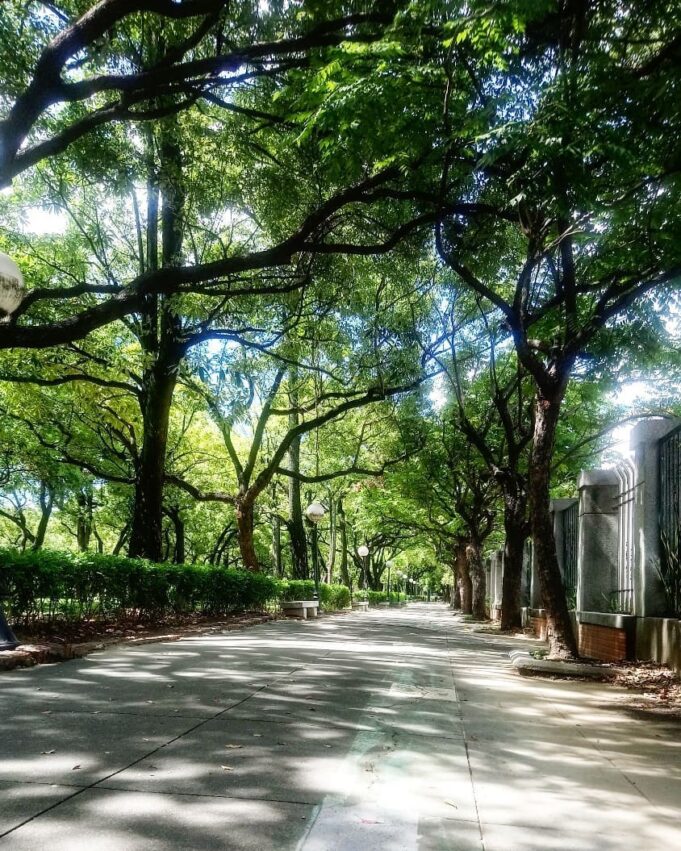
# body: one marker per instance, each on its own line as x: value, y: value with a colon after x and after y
x: 12, y: 290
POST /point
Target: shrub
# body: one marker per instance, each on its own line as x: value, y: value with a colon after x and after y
x: 47, y: 585
x: 376, y: 597
x: 331, y: 597
x: 334, y: 597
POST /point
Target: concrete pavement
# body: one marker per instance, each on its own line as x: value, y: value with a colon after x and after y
x: 396, y: 729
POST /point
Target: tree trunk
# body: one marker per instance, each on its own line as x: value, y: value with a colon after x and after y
x: 160, y: 340
x: 344, y: 572
x: 333, y: 527
x: 476, y: 570
x: 465, y: 583
x: 147, y: 520
x: 46, y: 505
x: 276, y: 546
x: 559, y: 626
x: 179, y: 552
x: 296, y: 525
x: 244, y: 520
x: 84, y: 521
x: 455, y: 593
x: 515, y: 530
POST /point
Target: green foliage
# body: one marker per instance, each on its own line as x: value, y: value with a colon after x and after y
x: 50, y: 585
x: 331, y: 597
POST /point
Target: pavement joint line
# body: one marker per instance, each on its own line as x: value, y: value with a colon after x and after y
x: 126, y: 767
x: 466, y: 748
x: 203, y: 795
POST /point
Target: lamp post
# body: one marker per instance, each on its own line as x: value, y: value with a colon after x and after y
x: 363, y: 553
x: 314, y: 513
x: 11, y: 295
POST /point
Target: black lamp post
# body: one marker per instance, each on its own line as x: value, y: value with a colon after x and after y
x: 11, y: 295
x: 314, y: 513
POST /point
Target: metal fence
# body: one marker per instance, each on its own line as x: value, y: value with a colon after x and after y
x: 670, y: 518
x: 570, y: 543
x: 622, y: 598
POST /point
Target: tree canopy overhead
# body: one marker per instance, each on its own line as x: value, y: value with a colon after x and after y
x: 395, y: 256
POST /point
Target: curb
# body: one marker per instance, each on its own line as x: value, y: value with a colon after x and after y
x: 29, y: 655
x: 528, y: 666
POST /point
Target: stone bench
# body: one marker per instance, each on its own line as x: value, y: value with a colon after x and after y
x: 300, y: 608
x: 361, y: 605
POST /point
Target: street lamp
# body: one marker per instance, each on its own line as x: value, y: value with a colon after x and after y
x: 363, y: 553
x: 12, y: 289
x: 314, y: 513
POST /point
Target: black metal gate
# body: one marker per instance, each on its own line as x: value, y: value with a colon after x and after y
x: 570, y: 535
x: 670, y: 518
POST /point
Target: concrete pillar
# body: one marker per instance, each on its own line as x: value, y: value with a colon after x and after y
x: 597, y: 548
x: 536, y: 601
x: 649, y: 599
x: 526, y: 576
x: 499, y: 581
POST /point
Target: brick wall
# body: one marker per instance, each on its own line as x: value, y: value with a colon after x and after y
x: 608, y: 644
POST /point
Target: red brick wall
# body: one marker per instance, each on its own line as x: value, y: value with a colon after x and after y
x: 602, y: 642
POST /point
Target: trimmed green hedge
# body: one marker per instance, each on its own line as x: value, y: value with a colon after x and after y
x: 47, y: 585
x: 376, y: 597
x: 331, y: 597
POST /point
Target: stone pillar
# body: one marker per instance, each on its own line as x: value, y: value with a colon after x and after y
x: 526, y: 577
x: 649, y: 600
x: 536, y: 601
x: 499, y: 581
x: 597, y: 549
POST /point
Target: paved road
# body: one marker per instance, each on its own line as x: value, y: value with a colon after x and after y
x: 389, y: 730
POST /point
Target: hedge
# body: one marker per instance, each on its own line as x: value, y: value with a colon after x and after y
x: 46, y: 585
x: 331, y: 597
x: 376, y: 597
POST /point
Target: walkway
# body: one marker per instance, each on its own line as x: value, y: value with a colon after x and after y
x: 397, y: 729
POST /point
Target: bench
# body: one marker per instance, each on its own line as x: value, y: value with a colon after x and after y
x: 300, y: 608
x: 362, y: 605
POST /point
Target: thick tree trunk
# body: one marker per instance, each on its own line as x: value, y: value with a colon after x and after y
x: 244, y: 520
x: 464, y: 578
x: 516, y: 532
x: 559, y: 626
x: 146, y: 533
x: 296, y: 525
x: 160, y: 340
x: 476, y: 570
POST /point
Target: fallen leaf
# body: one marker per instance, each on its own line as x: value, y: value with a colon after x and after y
x: 226, y: 768
x: 234, y: 747
x: 75, y: 768
x: 49, y: 752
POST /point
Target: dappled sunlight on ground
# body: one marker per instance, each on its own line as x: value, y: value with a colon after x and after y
x: 389, y: 729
